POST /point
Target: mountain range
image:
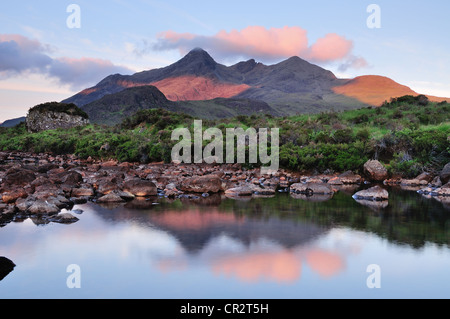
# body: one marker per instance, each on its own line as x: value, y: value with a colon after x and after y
x: 199, y: 86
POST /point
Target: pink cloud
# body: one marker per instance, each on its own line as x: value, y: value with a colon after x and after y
x: 174, y: 36
x: 259, y: 41
x: 332, y: 47
x: 262, y: 43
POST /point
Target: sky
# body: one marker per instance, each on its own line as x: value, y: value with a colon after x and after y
x: 52, y: 49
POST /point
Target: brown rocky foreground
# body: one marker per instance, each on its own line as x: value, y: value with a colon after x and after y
x: 42, y: 185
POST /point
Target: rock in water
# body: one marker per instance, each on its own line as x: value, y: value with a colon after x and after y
x: 350, y: 178
x: 111, y: 198
x: 140, y: 188
x: 374, y: 193
x: 201, y: 184
x: 6, y: 266
x: 442, y: 191
x: 239, y: 191
x: 43, y: 207
x: 311, y: 189
x: 64, y: 218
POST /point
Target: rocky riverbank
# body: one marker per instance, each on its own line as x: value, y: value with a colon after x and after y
x: 42, y: 185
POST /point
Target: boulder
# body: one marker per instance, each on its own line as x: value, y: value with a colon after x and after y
x: 375, y: 171
x: 313, y: 198
x: 18, y: 176
x: 425, y: 177
x: 11, y: 196
x: 171, y: 190
x: 350, y: 178
x: 201, y: 184
x: 46, y: 191
x: 41, y: 206
x: 71, y: 178
x: 23, y: 204
x: 311, y: 189
x: 335, y: 181
x: 239, y: 191
x: 44, y: 168
x: 264, y: 190
x: 59, y: 201
x: 445, y: 174
x: 442, y: 191
x: 140, y: 187
x: 373, y: 193
x: 436, y: 182
x: 50, y: 116
x: 413, y: 182
x: 111, y: 198
x: 6, y: 266
x: 64, y: 218
x: 82, y: 191
x: 393, y: 181
x: 347, y: 178
x: 127, y: 196
x: 41, y: 180
x: 106, y: 186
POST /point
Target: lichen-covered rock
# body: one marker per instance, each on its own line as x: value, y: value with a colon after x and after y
x: 50, y: 116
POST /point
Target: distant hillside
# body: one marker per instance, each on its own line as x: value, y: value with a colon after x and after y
x: 113, y: 108
x: 373, y: 90
x: 13, y: 122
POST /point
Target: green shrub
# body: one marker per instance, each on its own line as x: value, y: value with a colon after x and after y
x: 71, y: 109
x: 402, y: 164
x: 343, y: 136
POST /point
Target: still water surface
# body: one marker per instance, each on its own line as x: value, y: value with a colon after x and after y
x: 278, y: 247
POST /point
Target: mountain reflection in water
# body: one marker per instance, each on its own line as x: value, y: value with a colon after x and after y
x: 273, y: 238
x: 223, y: 247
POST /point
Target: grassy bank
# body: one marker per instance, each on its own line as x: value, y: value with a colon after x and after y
x: 408, y: 135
